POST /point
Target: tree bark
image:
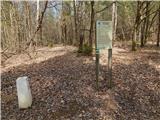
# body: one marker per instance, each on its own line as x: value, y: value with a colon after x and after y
x: 39, y: 24
x: 65, y: 34
x: 114, y: 20
x: 12, y: 42
x: 147, y: 21
x: 75, y: 22
x: 136, y: 25
x: 37, y: 19
x: 91, y: 25
x: 143, y: 26
x: 81, y: 41
x: 158, y: 34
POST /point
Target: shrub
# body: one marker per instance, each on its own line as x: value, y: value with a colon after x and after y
x: 87, y: 50
x: 80, y: 50
x: 134, y: 44
x: 50, y: 44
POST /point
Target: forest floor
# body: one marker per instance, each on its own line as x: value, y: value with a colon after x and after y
x: 63, y: 86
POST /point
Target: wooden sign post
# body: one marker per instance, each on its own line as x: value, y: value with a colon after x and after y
x: 104, y: 41
x: 97, y: 67
x: 110, y: 67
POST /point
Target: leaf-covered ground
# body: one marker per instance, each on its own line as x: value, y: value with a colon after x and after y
x: 63, y: 87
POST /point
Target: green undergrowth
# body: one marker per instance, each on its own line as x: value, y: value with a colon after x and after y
x: 85, y: 50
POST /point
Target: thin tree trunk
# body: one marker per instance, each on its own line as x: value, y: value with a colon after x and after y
x: 143, y: 32
x: 37, y: 19
x: 65, y: 34
x: 114, y: 20
x: 136, y: 26
x: 11, y: 28
x: 158, y: 34
x: 41, y: 34
x: 6, y: 34
x: 17, y: 22
x: 29, y: 21
x: 39, y: 24
x: 124, y: 37
x: 40, y: 31
x: 147, y: 21
x: 81, y: 41
x: 142, y: 26
x: 91, y: 26
x: 72, y: 33
x: 75, y: 22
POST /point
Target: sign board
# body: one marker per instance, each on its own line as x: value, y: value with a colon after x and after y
x: 104, y: 34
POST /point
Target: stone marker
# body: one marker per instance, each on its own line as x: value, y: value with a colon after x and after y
x: 23, y: 92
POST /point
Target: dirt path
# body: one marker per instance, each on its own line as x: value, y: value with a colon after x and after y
x: 63, y: 88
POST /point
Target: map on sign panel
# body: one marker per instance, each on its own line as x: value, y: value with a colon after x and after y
x: 104, y: 34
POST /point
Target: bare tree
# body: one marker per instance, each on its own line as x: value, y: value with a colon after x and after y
x: 136, y: 25
x: 114, y: 19
x: 158, y: 33
x: 91, y: 25
x: 145, y: 23
x: 39, y: 25
x: 75, y: 20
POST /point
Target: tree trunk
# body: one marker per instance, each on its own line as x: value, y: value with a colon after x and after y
x: 37, y: 19
x: 143, y: 32
x: 40, y: 34
x: 12, y: 35
x: 32, y: 42
x: 65, y: 34
x: 158, y: 34
x: 72, y: 32
x: 147, y: 21
x: 75, y: 22
x: 28, y: 21
x: 81, y: 41
x: 41, y: 29
x: 136, y: 26
x: 114, y: 20
x: 91, y: 25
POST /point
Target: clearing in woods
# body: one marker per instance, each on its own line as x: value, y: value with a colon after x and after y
x: 63, y: 85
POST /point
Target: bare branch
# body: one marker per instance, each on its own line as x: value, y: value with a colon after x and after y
x: 104, y: 8
x: 148, y: 15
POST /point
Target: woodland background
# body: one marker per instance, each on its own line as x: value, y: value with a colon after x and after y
x: 53, y: 43
x: 29, y: 24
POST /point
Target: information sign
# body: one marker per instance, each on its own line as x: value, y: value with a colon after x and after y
x: 104, y: 34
